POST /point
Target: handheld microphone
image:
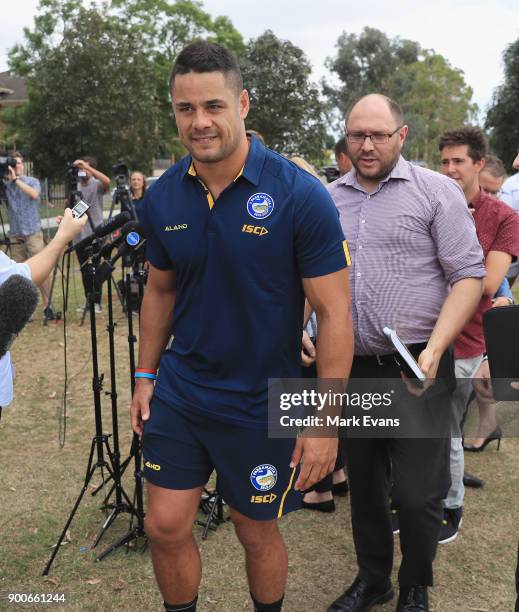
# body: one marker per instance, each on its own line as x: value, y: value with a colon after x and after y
x: 102, y: 230
x: 132, y: 241
x: 18, y: 300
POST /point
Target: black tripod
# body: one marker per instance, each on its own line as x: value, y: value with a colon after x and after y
x: 120, y: 504
x: 99, y: 443
x: 211, y: 503
x: 135, y: 530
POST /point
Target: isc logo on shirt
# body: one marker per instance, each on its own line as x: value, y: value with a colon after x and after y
x: 257, y: 230
x: 263, y: 499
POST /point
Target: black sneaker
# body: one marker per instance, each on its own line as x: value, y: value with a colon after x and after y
x: 452, y: 519
x: 394, y: 522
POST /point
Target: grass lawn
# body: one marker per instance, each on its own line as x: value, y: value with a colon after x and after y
x: 40, y: 481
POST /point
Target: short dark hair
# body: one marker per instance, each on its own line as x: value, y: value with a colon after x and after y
x: 394, y: 108
x: 90, y: 160
x: 203, y: 56
x: 17, y: 154
x: 494, y: 166
x: 473, y: 137
x: 340, y: 147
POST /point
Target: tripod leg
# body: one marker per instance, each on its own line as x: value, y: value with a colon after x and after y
x: 111, y: 518
x: 90, y: 472
x: 210, y: 518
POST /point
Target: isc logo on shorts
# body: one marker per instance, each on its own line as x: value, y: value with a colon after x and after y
x: 263, y: 499
x: 152, y: 466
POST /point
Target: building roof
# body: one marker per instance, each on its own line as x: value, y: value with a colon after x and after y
x: 13, y: 89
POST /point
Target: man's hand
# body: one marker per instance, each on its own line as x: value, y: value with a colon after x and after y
x: 428, y: 361
x: 12, y: 174
x: 69, y: 227
x: 140, y: 408
x: 317, y: 456
x: 500, y: 301
x: 308, y: 351
x: 81, y: 164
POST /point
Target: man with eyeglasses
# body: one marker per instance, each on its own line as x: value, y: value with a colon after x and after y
x: 416, y: 268
x: 23, y: 212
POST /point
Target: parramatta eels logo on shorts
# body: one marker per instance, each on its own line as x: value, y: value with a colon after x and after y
x: 260, y: 205
x: 264, y: 477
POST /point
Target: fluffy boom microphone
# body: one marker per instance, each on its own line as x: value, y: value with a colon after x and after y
x: 18, y: 300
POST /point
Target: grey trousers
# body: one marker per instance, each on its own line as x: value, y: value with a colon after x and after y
x: 465, y: 370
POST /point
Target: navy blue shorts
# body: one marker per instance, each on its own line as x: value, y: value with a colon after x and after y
x: 181, y: 449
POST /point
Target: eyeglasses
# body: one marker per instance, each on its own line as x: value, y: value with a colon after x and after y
x: 360, y: 137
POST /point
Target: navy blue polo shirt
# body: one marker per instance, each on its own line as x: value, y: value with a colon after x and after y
x: 239, y: 263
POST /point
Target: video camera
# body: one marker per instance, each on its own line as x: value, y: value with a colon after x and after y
x: 121, y: 172
x: 331, y: 173
x: 5, y: 163
x: 122, y: 194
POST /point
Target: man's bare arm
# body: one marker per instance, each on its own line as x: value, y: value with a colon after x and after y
x: 155, y: 330
x: 455, y: 313
x: 496, y: 266
x: 329, y: 297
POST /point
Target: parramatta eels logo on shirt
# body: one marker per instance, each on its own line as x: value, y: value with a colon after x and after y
x: 264, y: 477
x: 260, y: 205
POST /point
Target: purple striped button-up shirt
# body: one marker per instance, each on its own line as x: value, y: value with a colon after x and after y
x: 409, y: 241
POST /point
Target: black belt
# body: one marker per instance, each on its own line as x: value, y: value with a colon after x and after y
x: 390, y: 359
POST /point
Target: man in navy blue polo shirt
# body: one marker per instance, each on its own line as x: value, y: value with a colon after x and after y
x: 237, y: 236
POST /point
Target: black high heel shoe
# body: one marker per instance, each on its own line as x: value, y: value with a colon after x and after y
x: 497, y: 434
x: 341, y: 488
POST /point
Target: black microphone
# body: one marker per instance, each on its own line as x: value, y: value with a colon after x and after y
x: 132, y: 241
x: 128, y: 227
x: 18, y: 300
x: 102, y: 230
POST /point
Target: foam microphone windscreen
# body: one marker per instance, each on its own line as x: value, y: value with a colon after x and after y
x: 18, y: 300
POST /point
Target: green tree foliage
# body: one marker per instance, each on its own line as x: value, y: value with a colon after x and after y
x: 503, y: 114
x: 285, y: 105
x: 91, y: 94
x: 435, y: 98
x: 367, y: 63
x: 166, y: 27
x: 159, y: 30
x: 433, y: 94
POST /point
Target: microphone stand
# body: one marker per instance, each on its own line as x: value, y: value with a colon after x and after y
x: 135, y: 530
x: 119, y: 505
x: 100, y: 443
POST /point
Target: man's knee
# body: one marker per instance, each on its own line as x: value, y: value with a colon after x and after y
x: 254, y: 535
x: 167, y: 529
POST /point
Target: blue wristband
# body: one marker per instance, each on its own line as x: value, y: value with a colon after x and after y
x: 145, y: 375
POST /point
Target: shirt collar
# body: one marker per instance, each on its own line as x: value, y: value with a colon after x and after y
x: 479, y: 199
x: 400, y: 171
x: 250, y: 171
